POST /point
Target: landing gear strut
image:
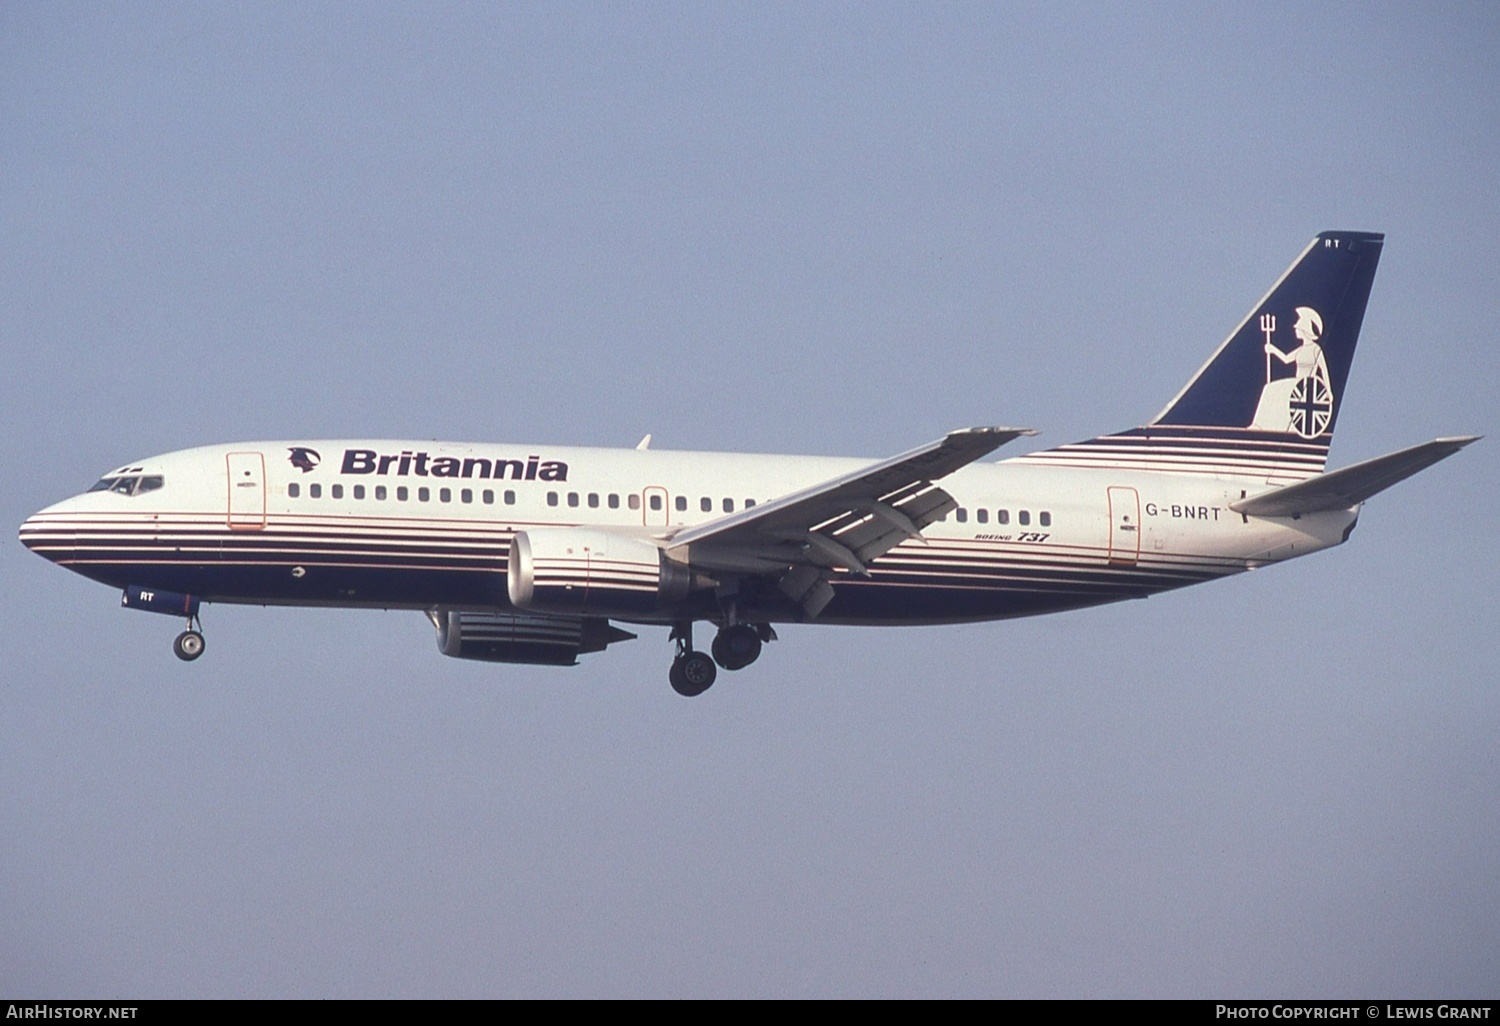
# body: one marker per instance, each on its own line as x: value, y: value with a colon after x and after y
x: 692, y: 672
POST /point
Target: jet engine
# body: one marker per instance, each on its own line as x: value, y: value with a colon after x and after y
x: 580, y: 570
x: 522, y: 637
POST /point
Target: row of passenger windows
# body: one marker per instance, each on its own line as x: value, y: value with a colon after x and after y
x: 1002, y: 516
x: 487, y: 496
x: 654, y: 500
x: 403, y: 494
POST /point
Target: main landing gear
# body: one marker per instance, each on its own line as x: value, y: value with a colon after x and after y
x: 735, y: 647
x: 692, y: 672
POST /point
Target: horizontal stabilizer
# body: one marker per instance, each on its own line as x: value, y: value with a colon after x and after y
x: 1350, y: 486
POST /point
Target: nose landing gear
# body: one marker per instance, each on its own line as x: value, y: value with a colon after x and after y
x: 189, y: 644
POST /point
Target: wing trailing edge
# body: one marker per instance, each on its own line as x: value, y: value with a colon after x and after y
x: 843, y: 523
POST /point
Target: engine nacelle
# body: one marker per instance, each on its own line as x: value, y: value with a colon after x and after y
x: 523, y: 637
x: 580, y: 570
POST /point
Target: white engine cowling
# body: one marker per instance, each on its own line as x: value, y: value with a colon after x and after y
x: 581, y: 570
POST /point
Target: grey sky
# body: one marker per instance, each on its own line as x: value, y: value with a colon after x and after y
x: 832, y: 229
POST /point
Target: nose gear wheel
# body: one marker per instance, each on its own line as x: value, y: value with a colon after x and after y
x: 188, y: 646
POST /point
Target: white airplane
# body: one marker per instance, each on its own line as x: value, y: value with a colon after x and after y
x: 526, y: 553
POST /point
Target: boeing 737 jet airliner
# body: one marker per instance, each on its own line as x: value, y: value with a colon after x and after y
x: 527, y: 553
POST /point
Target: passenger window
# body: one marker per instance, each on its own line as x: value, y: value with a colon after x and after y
x: 293, y: 490
x: 315, y: 491
x: 573, y: 499
x: 401, y: 493
x: 982, y: 515
x: 552, y: 498
x: 445, y: 495
x: 424, y: 494
x: 706, y: 504
x: 681, y: 503
x: 962, y: 516
x: 593, y: 500
x: 749, y: 503
x: 380, y: 493
x: 728, y: 505
x: 510, y: 498
x: 1002, y: 516
x: 656, y: 502
x: 1045, y: 519
x: 359, y: 491
x: 633, y: 501
x: 1024, y: 517
x: 467, y: 495
x: 337, y: 491
x: 614, y: 501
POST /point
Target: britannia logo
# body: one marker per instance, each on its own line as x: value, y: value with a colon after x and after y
x: 1303, y: 403
x: 303, y: 458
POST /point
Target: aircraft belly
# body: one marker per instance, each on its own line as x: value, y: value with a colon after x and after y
x: 296, y: 568
x: 352, y: 586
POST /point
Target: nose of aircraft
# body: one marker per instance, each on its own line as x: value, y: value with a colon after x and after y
x: 49, y: 532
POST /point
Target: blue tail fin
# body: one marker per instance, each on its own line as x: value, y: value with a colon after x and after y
x: 1265, y: 404
x: 1283, y: 369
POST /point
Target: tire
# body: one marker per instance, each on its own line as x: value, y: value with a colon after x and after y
x: 188, y: 646
x: 736, y: 647
x: 692, y: 674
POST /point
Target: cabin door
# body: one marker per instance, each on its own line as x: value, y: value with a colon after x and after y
x: 247, y: 491
x: 1124, y: 526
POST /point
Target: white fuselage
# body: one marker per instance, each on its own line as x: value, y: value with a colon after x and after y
x: 428, y: 526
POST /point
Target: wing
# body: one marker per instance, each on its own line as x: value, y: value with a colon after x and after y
x: 842, y: 523
x: 1340, y: 489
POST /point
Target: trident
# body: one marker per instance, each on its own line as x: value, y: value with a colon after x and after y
x: 1268, y: 325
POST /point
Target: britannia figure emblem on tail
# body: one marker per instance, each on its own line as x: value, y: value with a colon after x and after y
x: 1303, y: 403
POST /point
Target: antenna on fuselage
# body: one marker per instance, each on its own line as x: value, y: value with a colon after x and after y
x: 644, y: 443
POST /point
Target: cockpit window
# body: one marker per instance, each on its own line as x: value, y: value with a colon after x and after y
x: 130, y: 484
